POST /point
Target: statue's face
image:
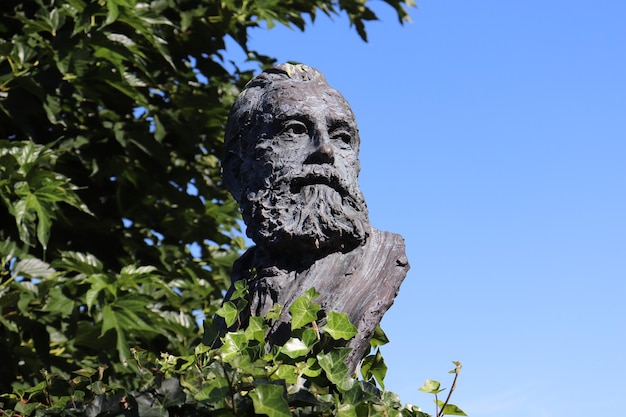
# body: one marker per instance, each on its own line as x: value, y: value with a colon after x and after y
x: 303, y: 191
x: 313, y: 140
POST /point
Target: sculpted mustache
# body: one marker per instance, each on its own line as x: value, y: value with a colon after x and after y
x: 315, y: 176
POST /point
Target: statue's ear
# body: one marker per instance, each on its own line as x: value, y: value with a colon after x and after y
x: 231, y: 174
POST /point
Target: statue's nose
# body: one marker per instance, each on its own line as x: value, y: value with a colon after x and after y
x: 322, y: 153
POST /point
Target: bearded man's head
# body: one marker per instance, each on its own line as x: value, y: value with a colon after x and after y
x: 292, y: 163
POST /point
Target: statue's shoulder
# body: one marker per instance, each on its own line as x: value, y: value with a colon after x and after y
x: 387, y: 246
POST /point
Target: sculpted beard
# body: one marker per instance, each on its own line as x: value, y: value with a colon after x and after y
x: 314, y: 217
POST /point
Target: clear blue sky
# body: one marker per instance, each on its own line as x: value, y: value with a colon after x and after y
x: 494, y: 140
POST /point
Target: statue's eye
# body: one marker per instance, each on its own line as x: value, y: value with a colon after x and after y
x: 343, y: 136
x: 295, y: 127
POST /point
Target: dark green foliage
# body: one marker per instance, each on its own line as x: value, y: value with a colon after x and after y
x: 306, y: 376
x: 111, y: 127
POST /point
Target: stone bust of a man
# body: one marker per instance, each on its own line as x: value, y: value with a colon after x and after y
x: 291, y: 162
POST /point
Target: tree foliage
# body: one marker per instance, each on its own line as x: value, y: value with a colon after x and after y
x: 305, y: 376
x: 111, y: 132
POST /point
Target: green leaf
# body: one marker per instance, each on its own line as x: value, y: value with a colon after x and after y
x: 346, y: 410
x: 256, y: 329
x: 303, y: 310
x: 114, y: 12
x: 124, y: 316
x: 270, y: 400
x: 361, y: 391
x: 335, y: 367
x: 159, y: 129
x: 27, y: 409
x: 431, y: 387
x: 33, y: 268
x: 86, y: 372
x: 374, y: 366
x: 450, y: 409
x: 84, y: 263
x: 215, y: 391
x: 171, y: 393
x: 229, y: 312
x: 233, y: 344
x: 379, y: 338
x: 99, y: 282
x: 137, y: 270
x: 294, y: 348
x: 211, y: 333
x: 310, y: 368
x: 339, y: 326
x: 457, y: 367
x: 310, y: 337
x: 288, y: 373
x: 44, y: 223
x: 58, y: 303
x: 275, y: 312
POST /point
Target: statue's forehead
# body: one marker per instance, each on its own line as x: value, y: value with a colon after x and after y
x: 306, y: 98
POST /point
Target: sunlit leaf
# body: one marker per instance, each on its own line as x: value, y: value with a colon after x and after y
x: 374, y: 366
x: 33, y: 268
x: 270, y: 400
x: 294, y: 348
x: 303, y: 310
x: 450, y: 409
x: 339, y: 326
x: 431, y: 387
x: 229, y: 312
x: 335, y: 367
x: 379, y: 338
x: 233, y: 344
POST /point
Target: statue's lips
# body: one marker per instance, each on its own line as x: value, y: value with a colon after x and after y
x: 298, y: 183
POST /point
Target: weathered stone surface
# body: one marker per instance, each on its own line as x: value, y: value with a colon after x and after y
x: 292, y: 164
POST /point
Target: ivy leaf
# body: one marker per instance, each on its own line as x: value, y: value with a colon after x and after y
x: 379, y: 338
x: 346, y: 410
x: 310, y: 337
x: 214, y: 392
x: 240, y: 290
x: 303, y: 310
x: 288, y: 373
x: 275, y: 312
x: 294, y: 348
x: 228, y: 311
x: 361, y: 391
x: 211, y: 332
x: 333, y: 364
x: 457, y: 368
x: 171, y: 392
x: 450, y: 409
x: 310, y: 368
x: 270, y: 400
x: 431, y: 387
x: 374, y: 366
x: 256, y: 329
x: 234, y: 344
x: 339, y: 326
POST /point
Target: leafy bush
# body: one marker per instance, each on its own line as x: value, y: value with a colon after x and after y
x: 116, y: 235
x: 305, y: 376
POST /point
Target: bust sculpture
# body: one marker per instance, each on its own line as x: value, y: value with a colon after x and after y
x: 291, y: 162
